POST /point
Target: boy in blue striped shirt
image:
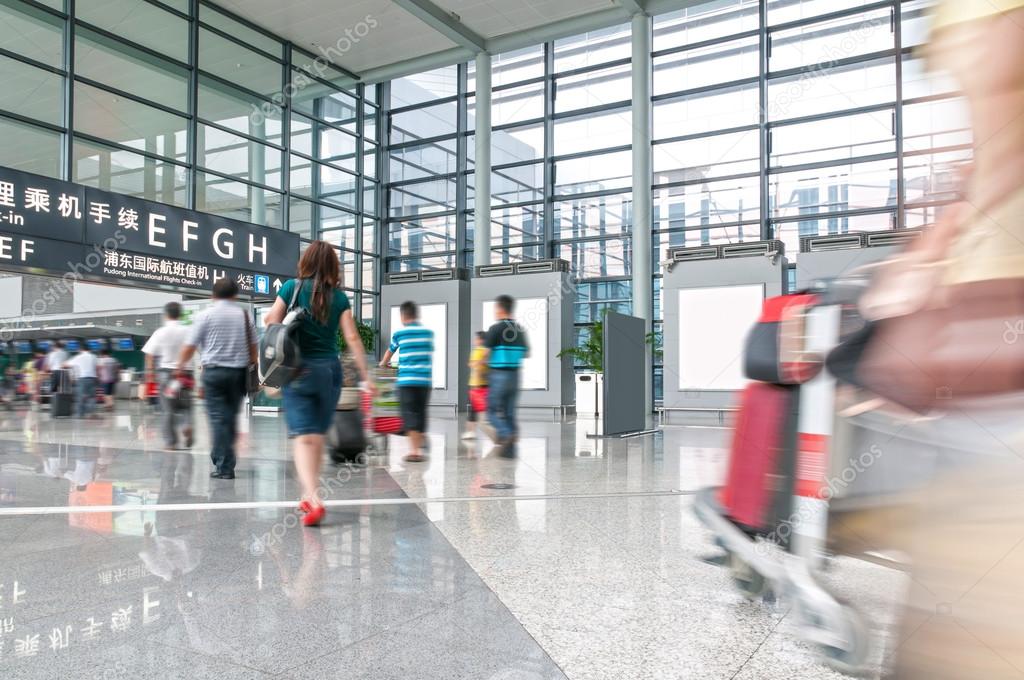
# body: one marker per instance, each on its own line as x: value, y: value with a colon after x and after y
x: 414, y: 344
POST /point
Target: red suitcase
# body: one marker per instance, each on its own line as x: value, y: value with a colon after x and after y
x: 756, y: 493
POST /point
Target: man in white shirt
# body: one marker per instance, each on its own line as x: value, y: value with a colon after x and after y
x: 84, y: 366
x: 162, y: 351
x: 55, y: 360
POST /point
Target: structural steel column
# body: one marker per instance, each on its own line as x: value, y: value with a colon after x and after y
x: 482, y: 210
x: 643, y: 283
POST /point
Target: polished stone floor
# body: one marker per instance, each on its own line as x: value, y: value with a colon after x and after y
x: 585, y: 562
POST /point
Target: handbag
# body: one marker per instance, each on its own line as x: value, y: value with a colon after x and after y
x: 953, y: 341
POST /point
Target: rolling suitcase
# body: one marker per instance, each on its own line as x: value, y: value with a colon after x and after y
x: 758, y: 487
x: 346, y: 439
x: 62, y: 399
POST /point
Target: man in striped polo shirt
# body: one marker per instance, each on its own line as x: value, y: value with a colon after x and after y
x: 414, y: 345
x: 507, y: 345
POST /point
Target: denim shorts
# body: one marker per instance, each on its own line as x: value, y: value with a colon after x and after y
x: 310, y: 398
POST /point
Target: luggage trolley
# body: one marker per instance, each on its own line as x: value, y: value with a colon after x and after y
x: 783, y: 553
x: 382, y: 411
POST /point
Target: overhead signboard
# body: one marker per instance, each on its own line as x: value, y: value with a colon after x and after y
x: 51, y: 225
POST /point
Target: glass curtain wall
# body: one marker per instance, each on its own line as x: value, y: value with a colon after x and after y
x: 181, y: 102
x: 771, y: 119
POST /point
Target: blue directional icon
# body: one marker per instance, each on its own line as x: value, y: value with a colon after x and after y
x: 262, y: 284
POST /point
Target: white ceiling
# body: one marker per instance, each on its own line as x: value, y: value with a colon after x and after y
x: 401, y: 43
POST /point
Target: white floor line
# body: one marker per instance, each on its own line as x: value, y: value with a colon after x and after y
x: 353, y: 502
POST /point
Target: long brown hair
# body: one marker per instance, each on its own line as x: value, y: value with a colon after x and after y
x: 320, y: 263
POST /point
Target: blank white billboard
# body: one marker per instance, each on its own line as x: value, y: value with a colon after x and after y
x: 713, y: 327
x: 532, y: 315
x: 434, y: 317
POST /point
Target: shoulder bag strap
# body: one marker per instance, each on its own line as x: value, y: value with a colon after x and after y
x: 295, y: 294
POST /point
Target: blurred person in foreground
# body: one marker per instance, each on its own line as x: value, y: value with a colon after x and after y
x: 311, y: 396
x: 477, y: 387
x: 165, y: 346
x: 108, y: 368
x: 947, y: 345
x: 225, y: 335
x: 84, y: 367
x: 507, y: 347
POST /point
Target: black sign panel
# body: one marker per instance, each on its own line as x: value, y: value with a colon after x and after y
x: 77, y: 261
x: 37, y: 206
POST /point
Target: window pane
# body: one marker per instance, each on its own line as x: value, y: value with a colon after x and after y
x: 917, y: 19
x: 370, y: 237
x: 241, y: 112
x: 129, y: 173
x: 704, y: 157
x: 423, y: 197
x: 593, y: 132
x: 919, y: 80
x: 515, y: 104
x: 597, y: 259
x: 237, y: 200
x: 933, y: 124
x: 140, y: 22
x: 31, y: 33
x: 843, y: 187
x: 592, y: 48
x: 424, y: 87
x: 932, y: 177
x: 522, y: 224
x: 429, y: 235
x: 832, y: 40
x: 300, y: 217
x: 239, y: 30
x: 518, y: 184
x: 29, y: 148
x: 322, y: 182
x: 115, y: 118
x: 370, y: 152
x: 236, y: 64
x: 112, y: 63
x: 594, y: 216
x: 592, y: 88
x: 512, y: 67
x: 834, y: 89
x: 704, y: 21
x: 326, y: 103
x: 31, y: 91
x: 340, y: 238
x: 703, y: 203
x: 834, y: 138
x: 706, y: 112
x: 784, y: 11
x: 718, y: 63
x: 514, y: 144
x: 594, y: 173
x: 432, y: 121
x: 706, y: 236
x: 423, y: 160
x: 239, y: 157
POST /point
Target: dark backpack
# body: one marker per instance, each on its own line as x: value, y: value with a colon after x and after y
x: 279, y: 356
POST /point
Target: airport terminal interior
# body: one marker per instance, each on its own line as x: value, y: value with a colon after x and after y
x: 645, y: 178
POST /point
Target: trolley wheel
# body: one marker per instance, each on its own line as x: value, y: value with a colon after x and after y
x: 751, y: 583
x: 852, y: 657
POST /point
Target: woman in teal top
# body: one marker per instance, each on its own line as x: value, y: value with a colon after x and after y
x: 310, y: 398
